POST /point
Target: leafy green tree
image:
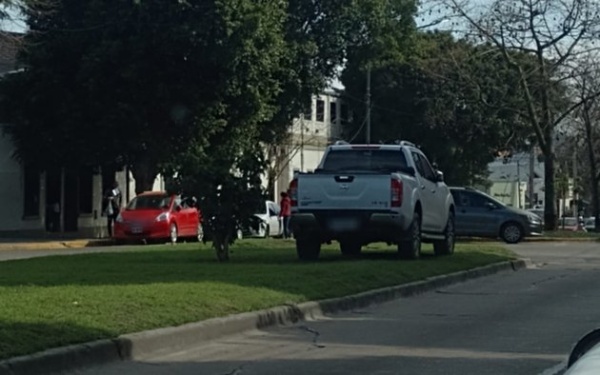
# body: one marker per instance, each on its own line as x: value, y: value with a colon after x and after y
x: 109, y: 80
x: 450, y: 98
x: 321, y: 35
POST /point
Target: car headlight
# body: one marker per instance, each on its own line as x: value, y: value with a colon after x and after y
x: 534, y: 219
x: 119, y: 218
x: 163, y: 217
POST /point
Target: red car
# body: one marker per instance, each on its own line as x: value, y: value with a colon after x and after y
x: 157, y: 215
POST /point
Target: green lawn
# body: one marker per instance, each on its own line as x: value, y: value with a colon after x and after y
x: 60, y: 300
x: 571, y: 234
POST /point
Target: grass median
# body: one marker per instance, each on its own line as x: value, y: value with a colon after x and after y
x: 572, y: 235
x: 60, y: 300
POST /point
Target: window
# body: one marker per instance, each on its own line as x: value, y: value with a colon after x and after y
x: 457, y: 197
x: 333, y: 111
x: 475, y: 200
x: 86, y: 188
x: 31, y: 190
x: 150, y: 202
x: 320, y: 111
x: 365, y: 159
x: 273, y: 209
x: 308, y: 112
x: 423, y: 166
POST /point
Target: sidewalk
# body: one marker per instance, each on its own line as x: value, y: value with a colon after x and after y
x: 12, y: 244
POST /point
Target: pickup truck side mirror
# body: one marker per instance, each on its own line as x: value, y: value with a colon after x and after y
x: 440, y: 176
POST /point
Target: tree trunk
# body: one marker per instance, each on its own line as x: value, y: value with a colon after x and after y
x: 144, y: 173
x: 221, y: 246
x: 549, y: 192
x: 589, y: 140
x: 596, y: 203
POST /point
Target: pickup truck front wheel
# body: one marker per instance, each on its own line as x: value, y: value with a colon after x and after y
x: 410, y: 246
x: 307, y: 248
x: 446, y: 246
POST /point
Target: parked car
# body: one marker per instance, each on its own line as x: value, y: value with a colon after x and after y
x: 539, y: 212
x: 479, y: 215
x: 267, y: 222
x: 568, y: 223
x: 159, y: 216
x: 372, y: 193
x: 590, y: 224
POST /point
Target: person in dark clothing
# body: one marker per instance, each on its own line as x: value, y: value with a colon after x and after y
x: 112, y: 206
x: 285, y: 213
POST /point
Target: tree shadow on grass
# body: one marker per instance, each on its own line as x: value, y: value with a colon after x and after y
x: 19, y: 338
x: 275, y: 268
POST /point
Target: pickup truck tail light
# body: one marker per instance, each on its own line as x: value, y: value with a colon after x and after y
x: 294, y: 192
x: 397, y: 190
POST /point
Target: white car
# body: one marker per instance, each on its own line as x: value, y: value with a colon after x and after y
x: 268, y: 223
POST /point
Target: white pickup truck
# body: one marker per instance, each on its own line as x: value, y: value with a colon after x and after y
x: 362, y: 194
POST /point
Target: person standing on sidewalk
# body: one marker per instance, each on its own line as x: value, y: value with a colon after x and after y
x: 112, y: 199
x: 285, y: 213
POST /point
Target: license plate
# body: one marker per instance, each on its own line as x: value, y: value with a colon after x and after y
x: 136, y: 230
x: 342, y: 224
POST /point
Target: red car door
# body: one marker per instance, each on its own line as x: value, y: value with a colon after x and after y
x: 188, y: 219
x: 179, y: 217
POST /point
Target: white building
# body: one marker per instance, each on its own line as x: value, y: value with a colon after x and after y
x: 510, y: 184
x: 56, y: 200
x: 310, y: 134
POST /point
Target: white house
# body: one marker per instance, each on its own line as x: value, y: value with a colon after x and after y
x: 509, y: 183
x: 56, y: 200
x: 311, y: 133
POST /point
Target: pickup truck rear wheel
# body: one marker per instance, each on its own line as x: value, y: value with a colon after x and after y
x: 350, y: 248
x: 410, y: 247
x: 446, y: 246
x: 307, y: 248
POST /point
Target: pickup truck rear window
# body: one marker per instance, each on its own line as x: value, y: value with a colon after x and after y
x: 365, y: 160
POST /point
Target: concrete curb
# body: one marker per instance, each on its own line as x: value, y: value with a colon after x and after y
x: 151, y: 343
x: 562, y: 239
x: 531, y: 239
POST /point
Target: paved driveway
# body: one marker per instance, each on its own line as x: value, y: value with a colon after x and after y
x: 512, y: 323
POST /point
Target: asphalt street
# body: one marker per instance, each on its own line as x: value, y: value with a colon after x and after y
x: 522, y: 322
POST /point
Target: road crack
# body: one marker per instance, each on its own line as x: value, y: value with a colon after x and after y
x: 467, y: 293
x: 316, y: 335
x: 235, y: 371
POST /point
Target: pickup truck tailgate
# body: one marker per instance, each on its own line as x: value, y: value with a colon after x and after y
x: 344, y: 192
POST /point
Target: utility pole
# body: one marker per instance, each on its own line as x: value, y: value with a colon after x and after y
x: 302, y: 143
x: 368, y: 137
x: 531, y: 175
x: 519, y: 183
x: 575, y: 187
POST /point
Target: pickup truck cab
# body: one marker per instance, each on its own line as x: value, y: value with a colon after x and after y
x: 361, y: 194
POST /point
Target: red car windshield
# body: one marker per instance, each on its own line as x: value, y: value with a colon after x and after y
x: 149, y: 202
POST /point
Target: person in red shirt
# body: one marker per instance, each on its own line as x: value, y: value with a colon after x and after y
x: 285, y: 213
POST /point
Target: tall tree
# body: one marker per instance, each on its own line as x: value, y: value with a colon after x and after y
x: 587, y: 117
x: 139, y: 82
x: 321, y: 35
x: 558, y: 34
x: 447, y: 97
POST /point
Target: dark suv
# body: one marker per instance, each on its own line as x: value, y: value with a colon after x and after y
x: 479, y: 215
